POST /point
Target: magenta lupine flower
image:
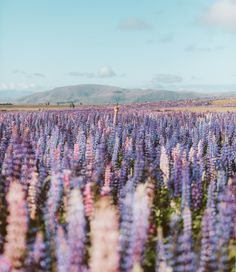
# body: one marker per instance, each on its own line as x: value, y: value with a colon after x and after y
x: 76, y: 231
x: 105, y: 238
x: 17, y: 220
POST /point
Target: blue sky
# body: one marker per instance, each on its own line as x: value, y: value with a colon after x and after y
x: 128, y: 43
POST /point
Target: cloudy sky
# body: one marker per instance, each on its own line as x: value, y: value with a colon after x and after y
x: 129, y: 43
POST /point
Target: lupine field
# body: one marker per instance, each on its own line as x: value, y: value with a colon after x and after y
x: 151, y: 192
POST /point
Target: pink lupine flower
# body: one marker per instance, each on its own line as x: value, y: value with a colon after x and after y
x: 5, y: 264
x: 88, y: 200
x: 76, y: 151
x: 32, y: 195
x: 66, y: 178
x: 89, y: 157
x: 105, y: 238
x: 15, y: 245
x: 107, y: 180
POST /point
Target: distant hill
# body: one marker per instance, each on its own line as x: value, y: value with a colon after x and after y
x: 103, y: 94
x: 8, y: 96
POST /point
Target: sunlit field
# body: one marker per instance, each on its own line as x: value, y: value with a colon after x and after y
x: 138, y: 189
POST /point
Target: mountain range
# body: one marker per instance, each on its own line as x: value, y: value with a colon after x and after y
x: 102, y: 94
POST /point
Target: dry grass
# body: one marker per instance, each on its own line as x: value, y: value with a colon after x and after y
x: 222, y: 105
x: 204, y: 109
x: 227, y: 101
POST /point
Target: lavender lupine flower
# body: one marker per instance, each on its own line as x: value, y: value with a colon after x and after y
x: 29, y: 163
x: 185, y: 259
x: 172, y: 240
x: 208, y: 258
x: 226, y: 217
x: 7, y: 167
x: 104, y: 238
x: 186, y: 186
x: 17, y: 220
x: 164, y: 165
x: 116, y: 149
x: 177, y: 169
x: 211, y: 196
x: 196, y: 177
x: 161, y: 262
x: 38, y: 253
x: 221, y: 182
x: 141, y: 211
x: 126, y: 233
x: 76, y: 231
x: 62, y: 251
x: 54, y: 198
x: 89, y: 157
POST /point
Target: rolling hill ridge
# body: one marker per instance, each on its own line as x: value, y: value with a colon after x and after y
x: 103, y: 94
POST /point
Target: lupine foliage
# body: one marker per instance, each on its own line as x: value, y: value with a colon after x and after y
x: 151, y: 192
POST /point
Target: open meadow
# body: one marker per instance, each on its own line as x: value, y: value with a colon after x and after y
x: 147, y: 187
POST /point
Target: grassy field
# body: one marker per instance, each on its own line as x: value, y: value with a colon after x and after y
x: 221, y: 105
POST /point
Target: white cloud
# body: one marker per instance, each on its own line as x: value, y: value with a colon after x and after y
x: 222, y: 14
x: 83, y: 74
x: 16, y: 86
x: 105, y: 71
x: 166, y: 79
x: 28, y: 75
x: 135, y: 24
